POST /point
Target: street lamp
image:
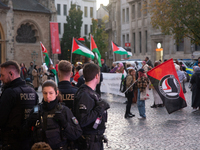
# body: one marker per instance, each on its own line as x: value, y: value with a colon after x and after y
x: 34, y: 56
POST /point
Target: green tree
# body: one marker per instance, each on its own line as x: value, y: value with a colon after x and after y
x: 180, y: 18
x: 71, y: 29
x: 100, y: 36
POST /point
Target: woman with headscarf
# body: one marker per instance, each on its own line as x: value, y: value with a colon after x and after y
x: 195, y: 81
x: 157, y: 100
x: 145, y: 66
x: 35, y: 75
x: 120, y: 68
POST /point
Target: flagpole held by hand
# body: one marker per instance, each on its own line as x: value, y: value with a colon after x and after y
x: 130, y: 86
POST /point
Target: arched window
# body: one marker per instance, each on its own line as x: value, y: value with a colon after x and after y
x: 25, y: 34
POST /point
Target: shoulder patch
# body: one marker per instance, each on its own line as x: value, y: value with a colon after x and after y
x: 75, y: 121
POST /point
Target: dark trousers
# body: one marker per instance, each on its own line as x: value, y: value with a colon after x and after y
x: 130, y: 96
x: 91, y: 142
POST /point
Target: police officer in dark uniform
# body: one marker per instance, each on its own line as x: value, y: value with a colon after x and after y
x: 52, y: 122
x: 66, y: 90
x: 16, y: 102
x: 90, y: 110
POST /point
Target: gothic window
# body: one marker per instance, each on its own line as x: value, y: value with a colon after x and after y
x: 25, y: 34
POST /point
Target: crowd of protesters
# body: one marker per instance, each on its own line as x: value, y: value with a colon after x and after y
x: 74, y: 97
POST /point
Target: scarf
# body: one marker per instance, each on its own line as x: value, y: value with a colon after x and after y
x: 49, y: 106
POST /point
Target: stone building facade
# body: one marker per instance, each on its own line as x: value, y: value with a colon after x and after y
x: 23, y: 24
x: 128, y: 23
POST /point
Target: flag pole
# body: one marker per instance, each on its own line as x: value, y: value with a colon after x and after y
x: 41, y: 53
x: 71, y: 50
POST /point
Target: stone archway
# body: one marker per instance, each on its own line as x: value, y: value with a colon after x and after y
x: 2, y: 45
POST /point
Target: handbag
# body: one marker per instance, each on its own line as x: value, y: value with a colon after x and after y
x: 144, y: 95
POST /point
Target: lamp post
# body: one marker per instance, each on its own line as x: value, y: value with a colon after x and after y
x: 34, y: 56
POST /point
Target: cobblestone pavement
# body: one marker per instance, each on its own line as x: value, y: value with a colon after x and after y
x: 160, y: 131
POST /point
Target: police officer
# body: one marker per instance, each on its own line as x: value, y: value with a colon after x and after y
x: 16, y: 102
x: 67, y: 91
x: 53, y: 123
x: 90, y: 110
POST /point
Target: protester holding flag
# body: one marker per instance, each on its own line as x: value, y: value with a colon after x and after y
x: 142, y: 84
x: 130, y: 79
x: 195, y: 81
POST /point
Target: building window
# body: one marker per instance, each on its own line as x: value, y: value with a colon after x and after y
x: 113, y: 12
x: 25, y: 34
x: 197, y: 47
x: 145, y: 9
x: 91, y: 12
x: 65, y: 10
x: 123, y: 16
x: 58, y: 9
x: 139, y: 10
x: 180, y: 45
x: 86, y: 29
x: 134, y: 42
x: 146, y: 41
x: 133, y: 12
x: 78, y: 7
x: 127, y: 38
x: 59, y: 28
x: 123, y: 41
x: 85, y: 12
x: 140, y: 42
x: 90, y: 28
x: 127, y: 15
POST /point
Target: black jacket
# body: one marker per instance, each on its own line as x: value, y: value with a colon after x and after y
x: 104, y: 68
x: 86, y: 110
x: 149, y: 63
x: 16, y: 100
x: 52, y: 127
x: 67, y: 91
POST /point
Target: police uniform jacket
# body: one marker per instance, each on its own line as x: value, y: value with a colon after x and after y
x: 16, y: 102
x: 86, y: 111
x: 67, y: 92
x: 72, y: 131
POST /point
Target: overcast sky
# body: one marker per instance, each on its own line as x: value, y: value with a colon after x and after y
x: 104, y: 2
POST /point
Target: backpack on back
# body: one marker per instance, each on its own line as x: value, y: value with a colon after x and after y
x: 123, y: 85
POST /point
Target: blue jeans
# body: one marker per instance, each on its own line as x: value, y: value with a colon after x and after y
x: 141, y: 105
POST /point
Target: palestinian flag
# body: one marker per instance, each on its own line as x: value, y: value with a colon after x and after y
x: 45, y: 54
x: 166, y: 82
x: 129, y: 54
x: 94, y: 49
x: 79, y: 48
x: 53, y: 68
x: 118, y: 49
